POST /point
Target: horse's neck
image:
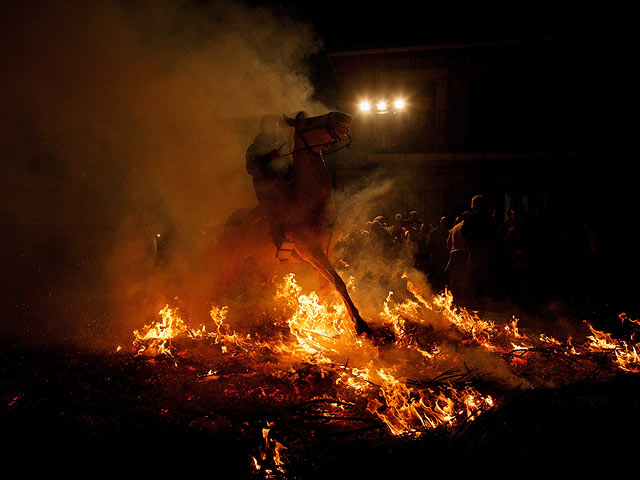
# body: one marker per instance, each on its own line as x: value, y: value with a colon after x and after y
x: 310, y: 172
x: 313, y: 192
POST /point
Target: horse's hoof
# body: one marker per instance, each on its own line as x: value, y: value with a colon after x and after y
x: 362, y: 328
x: 380, y: 336
x: 383, y: 336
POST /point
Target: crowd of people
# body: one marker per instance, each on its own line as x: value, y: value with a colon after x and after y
x: 478, y: 256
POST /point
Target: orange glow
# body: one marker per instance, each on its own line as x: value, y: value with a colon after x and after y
x: 321, y: 333
x: 158, y: 336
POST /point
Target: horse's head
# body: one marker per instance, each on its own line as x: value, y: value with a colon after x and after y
x: 320, y: 132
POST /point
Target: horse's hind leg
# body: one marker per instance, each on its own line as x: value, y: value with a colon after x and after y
x: 317, y: 258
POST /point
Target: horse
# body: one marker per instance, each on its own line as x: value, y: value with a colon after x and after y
x: 303, y: 209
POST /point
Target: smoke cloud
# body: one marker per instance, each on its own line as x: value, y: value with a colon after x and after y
x: 123, y: 140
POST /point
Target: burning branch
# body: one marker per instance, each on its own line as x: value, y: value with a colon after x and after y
x: 271, y: 464
x: 320, y: 336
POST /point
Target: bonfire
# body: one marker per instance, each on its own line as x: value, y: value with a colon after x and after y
x: 425, y: 380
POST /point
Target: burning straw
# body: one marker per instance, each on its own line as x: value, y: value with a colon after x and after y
x: 427, y: 380
x: 412, y: 386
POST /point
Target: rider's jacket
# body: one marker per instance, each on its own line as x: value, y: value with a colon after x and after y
x: 263, y: 157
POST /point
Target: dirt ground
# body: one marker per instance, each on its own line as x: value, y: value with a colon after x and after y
x: 71, y: 411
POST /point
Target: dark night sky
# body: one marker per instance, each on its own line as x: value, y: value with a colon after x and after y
x: 350, y: 25
x: 356, y: 25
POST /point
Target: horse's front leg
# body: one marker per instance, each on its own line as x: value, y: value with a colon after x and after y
x: 318, y: 259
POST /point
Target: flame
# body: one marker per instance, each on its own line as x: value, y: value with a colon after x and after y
x: 324, y: 333
x: 320, y: 332
x: 156, y: 340
x: 270, y: 454
x: 409, y: 410
x: 626, y: 356
x: 224, y: 335
x: 316, y: 327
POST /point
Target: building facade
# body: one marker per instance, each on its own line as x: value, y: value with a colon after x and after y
x: 517, y: 121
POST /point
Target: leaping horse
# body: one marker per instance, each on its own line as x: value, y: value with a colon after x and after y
x: 305, y: 211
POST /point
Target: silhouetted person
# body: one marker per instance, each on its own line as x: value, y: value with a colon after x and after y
x: 269, y: 170
x: 437, y: 253
x: 416, y: 238
x: 397, y: 229
x: 456, y: 277
x: 380, y: 234
x: 479, y: 230
x: 414, y: 227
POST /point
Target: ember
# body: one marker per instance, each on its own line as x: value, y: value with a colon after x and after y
x: 299, y: 398
x: 321, y: 334
x: 410, y: 387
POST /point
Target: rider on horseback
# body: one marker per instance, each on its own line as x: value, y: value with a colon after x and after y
x: 269, y: 169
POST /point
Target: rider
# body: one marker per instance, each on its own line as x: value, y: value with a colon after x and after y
x: 269, y: 169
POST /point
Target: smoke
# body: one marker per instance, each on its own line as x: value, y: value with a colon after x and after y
x: 366, y: 199
x: 123, y: 140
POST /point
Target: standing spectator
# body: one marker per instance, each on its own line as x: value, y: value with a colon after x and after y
x: 380, y: 236
x: 478, y: 228
x: 414, y: 227
x: 397, y: 229
x: 437, y: 253
x: 456, y: 269
x: 415, y: 237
